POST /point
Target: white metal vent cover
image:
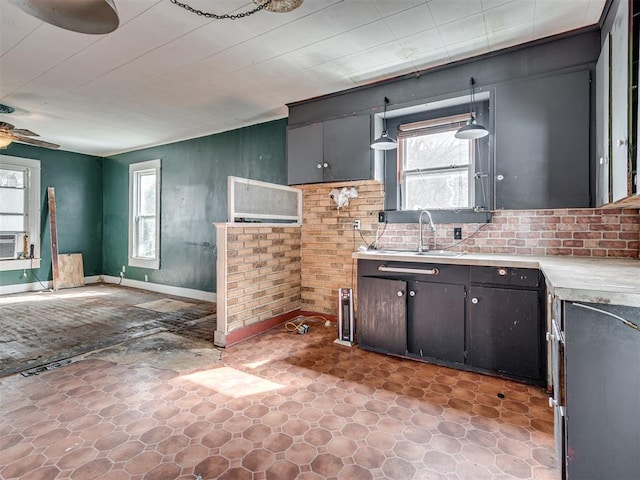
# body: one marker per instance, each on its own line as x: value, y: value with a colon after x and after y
x: 256, y: 201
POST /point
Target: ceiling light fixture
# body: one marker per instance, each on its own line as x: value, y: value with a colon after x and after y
x: 384, y: 142
x: 471, y: 130
x: 95, y: 17
x: 5, y: 141
x: 277, y: 6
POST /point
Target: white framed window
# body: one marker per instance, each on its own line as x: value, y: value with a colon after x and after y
x: 19, y: 213
x: 435, y: 168
x: 144, y: 214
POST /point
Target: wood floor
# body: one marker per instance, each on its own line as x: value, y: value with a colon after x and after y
x: 41, y: 328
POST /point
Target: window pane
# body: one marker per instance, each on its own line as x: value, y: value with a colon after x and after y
x: 12, y: 223
x: 146, y: 237
x: 11, y: 200
x: 11, y: 178
x: 147, y: 194
x: 435, y: 150
x: 448, y: 189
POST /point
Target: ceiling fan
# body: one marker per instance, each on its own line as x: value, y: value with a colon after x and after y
x: 9, y: 134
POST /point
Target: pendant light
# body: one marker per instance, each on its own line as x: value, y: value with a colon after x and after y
x: 95, y: 17
x: 471, y: 130
x: 384, y: 142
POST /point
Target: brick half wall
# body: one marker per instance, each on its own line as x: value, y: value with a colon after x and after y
x: 258, y: 277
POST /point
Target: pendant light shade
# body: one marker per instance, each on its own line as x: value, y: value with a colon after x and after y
x: 95, y: 17
x: 384, y: 142
x: 471, y: 130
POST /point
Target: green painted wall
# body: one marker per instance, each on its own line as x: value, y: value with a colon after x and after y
x: 78, y: 184
x: 194, y: 196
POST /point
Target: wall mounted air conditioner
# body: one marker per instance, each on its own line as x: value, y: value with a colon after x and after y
x: 8, y: 246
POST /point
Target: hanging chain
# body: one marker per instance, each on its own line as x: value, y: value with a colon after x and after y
x: 225, y: 16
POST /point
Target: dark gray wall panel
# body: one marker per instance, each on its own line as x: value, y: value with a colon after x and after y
x: 488, y: 70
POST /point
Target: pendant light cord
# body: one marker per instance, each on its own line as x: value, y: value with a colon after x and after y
x: 472, y: 100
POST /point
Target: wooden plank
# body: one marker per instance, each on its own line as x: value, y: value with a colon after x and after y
x: 54, y: 237
x: 70, y: 269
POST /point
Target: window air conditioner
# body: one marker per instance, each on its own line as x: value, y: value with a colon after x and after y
x: 8, y: 246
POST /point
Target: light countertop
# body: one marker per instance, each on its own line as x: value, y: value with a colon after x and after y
x: 590, y: 279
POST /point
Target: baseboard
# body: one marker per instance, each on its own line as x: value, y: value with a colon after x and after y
x: 159, y: 288
x: 37, y: 286
x: 221, y: 339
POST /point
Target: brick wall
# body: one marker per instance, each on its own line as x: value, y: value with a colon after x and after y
x: 259, y: 275
x: 579, y: 232
x: 328, y: 238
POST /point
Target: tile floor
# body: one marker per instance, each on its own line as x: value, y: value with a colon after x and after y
x: 279, y: 406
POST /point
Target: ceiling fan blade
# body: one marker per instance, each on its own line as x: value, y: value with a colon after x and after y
x: 33, y: 141
x: 24, y: 132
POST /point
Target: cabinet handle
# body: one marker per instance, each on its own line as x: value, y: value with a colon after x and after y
x: 325, y: 165
x: 621, y: 142
x: 474, y: 300
x: 502, y: 271
x: 400, y: 293
x: 319, y: 165
x: 424, y: 271
x: 412, y: 293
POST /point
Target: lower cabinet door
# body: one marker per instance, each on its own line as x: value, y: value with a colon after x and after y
x: 435, y: 319
x: 382, y: 314
x: 505, y: 331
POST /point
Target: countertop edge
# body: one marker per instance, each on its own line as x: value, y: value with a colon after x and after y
x: 582, y: 279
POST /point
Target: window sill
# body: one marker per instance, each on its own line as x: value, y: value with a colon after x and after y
x: 144, y: 263
x: 439, y: 216
x: 28, y: 264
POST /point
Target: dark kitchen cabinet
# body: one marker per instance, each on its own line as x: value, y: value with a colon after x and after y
x: 506, y: 322
x: 436, y: 317
x: 331, y: 151
x: 382, y: 315
x: 541, y: 124
x: 505, y: 331
x: 305, y: 154
x: 487, y: 319
x: 602, y: 391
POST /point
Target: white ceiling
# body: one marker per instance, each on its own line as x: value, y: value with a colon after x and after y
x: 167, y: 75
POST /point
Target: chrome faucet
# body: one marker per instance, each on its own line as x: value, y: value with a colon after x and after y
x: 422, y: 247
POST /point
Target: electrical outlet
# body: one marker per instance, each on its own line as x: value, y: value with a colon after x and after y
x: 123, y: 270
x: 457, y: 233
x: 382, y: 217
x: 146, y: 278
x: 356, y: 224
x: 121, y: 274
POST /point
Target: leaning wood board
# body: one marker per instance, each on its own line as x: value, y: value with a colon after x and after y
x: 51, y: 194
x: 70, y: 270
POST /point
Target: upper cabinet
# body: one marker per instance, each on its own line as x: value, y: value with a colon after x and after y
x: 541, y: 142
x: 331, y: 151
x: 616, y: 110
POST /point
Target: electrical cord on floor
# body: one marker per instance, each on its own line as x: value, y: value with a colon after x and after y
x: 302, y: 327
x: 36, y: 277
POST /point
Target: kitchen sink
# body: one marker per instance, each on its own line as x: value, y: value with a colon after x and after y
x: 429, y: 253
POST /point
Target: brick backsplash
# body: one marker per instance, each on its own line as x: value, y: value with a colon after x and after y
x: 328, y: 238
x: 585, y: 232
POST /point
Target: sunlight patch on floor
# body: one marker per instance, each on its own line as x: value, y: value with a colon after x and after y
x: 232, y: 382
